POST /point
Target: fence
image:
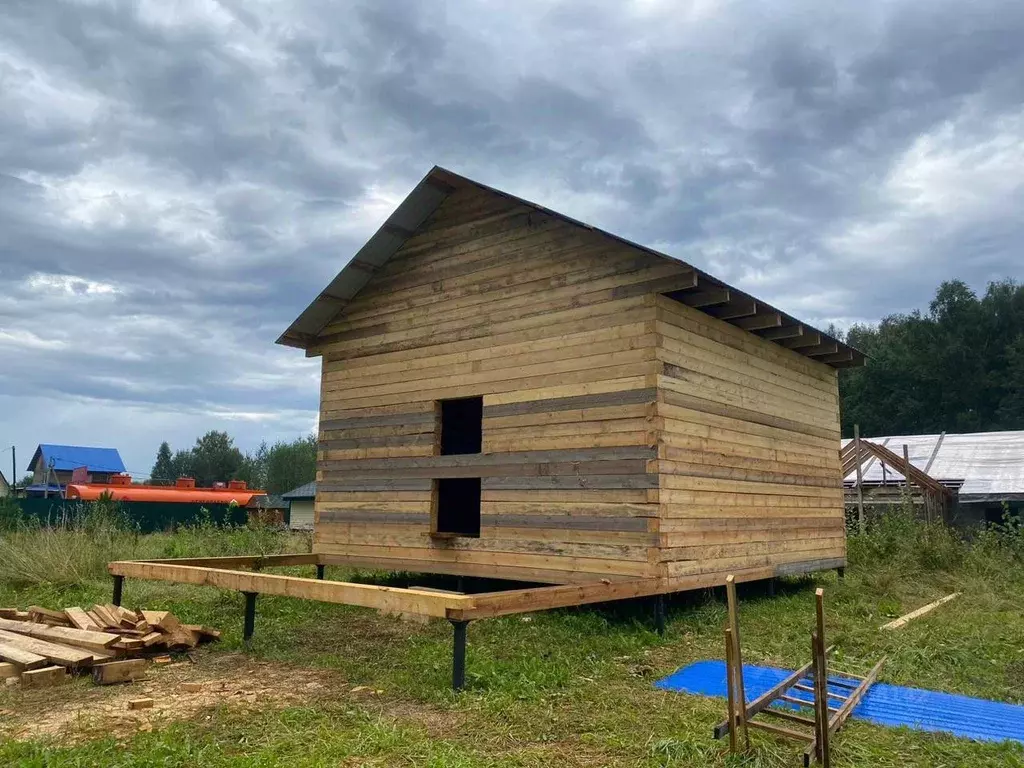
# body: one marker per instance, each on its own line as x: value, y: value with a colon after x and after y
x: 148, y: 516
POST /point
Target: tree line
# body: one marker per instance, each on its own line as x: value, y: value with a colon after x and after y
x: 215, y: 458
x: 959, y: 367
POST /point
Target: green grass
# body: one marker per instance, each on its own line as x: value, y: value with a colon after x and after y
x: 574, y: 686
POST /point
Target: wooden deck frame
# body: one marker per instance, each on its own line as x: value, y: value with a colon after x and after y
x: 457, y: 608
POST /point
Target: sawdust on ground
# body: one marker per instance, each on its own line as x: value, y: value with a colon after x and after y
x: 79, y: 711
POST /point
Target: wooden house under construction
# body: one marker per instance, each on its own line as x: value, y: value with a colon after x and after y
x: 510, y: 393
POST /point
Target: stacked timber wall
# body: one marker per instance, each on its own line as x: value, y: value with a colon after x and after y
x: 748, y: 455
x: 553, y: 325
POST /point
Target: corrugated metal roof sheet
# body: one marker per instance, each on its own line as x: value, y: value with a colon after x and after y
x: 990, y: 464
x: 70, y: 457
x: 432, y: 190
x: 307, y: 491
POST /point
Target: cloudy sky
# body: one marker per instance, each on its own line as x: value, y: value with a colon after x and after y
x: 179, y: 178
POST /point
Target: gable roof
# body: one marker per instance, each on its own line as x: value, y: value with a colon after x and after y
x: 71, y: 457
x: 708, y: 294
x: 3, y: 481
x: 307, y: 491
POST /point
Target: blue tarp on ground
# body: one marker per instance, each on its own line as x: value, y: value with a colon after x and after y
x: 884, y: 704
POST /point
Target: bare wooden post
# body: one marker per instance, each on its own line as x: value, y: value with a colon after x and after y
x: 860, y: 479
x: 737, y: 655
x: 730, y: 679
x: 821, y: 677
x: 907, y: 500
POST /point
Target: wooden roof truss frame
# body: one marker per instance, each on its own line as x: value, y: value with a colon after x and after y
x: 936, y: 495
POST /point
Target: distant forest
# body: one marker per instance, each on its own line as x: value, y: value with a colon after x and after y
x: 957, y: 368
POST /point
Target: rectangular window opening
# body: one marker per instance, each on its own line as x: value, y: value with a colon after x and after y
x: 457, y: 499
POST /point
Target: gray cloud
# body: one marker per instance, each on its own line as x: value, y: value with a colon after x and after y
x: 177, y: 182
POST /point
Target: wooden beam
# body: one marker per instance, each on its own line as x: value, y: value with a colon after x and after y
x: 839, y: 357
x: 759, y: 322
x: 387, y: 599
x: 825, y: 348
x: 68, y: 635
x: 243, y: 561
x: 807, y: 339
x: 56, y: 653
x: 20, y: 657
x: 737, y: 655
x: 860, y: 478
x: 907, y: 618
x: 699, y: 299
x: 785, y: 332
x: 739, y: 306
x: 119, y: 671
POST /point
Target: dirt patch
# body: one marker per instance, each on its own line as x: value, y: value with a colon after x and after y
x: 79, y: 710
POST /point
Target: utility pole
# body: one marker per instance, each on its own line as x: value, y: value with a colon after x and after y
x: 14, y: 470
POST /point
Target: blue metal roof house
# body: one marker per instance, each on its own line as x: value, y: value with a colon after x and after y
x: 52, y: 465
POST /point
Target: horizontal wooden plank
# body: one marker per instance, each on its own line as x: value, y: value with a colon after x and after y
x: 551, y: 562
x: 569, y: 469
x: 568, y: 522
x: 577, y: 402
x: 388, y: 599
x: 552, y: 457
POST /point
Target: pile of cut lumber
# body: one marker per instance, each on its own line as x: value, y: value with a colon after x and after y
x: 37, y: 646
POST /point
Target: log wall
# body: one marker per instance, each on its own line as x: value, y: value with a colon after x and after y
x: 749, y: 451
x: 625, y: 435
x: 554, y: 326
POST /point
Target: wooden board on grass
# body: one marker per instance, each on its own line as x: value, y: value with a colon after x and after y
x: 119, y: 671
x: 43, y: 677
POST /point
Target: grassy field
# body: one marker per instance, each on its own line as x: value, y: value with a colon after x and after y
x: 326, y: 685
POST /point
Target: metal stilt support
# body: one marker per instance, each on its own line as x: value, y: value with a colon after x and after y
x: 841, y: 573
x: 771, y: 587
x: 659, y: 613
x: 118, y: 589
x: 320, y: 571
x: 459, y: 655
x: 250, y: 616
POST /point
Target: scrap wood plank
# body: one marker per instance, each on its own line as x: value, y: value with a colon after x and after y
x: 69, y: 635
x: 165, y: 621
x: 119, y: 671
x: 13, y: 613
x: 152, y: 639
x: 7, y: 670
x: 207, y: 632
x: 80, y: 619
x: 105, y: 618
x: 907, y: 618
x: 43, y: 677
x: 20, y: 657
x: 38, y: 613
x: 64, y: 655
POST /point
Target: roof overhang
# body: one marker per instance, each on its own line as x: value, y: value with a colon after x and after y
x: 707, y: 293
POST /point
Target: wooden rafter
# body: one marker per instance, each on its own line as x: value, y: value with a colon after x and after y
x: 894, y: 462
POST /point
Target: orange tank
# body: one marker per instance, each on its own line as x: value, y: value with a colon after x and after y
x: 182, y: 492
